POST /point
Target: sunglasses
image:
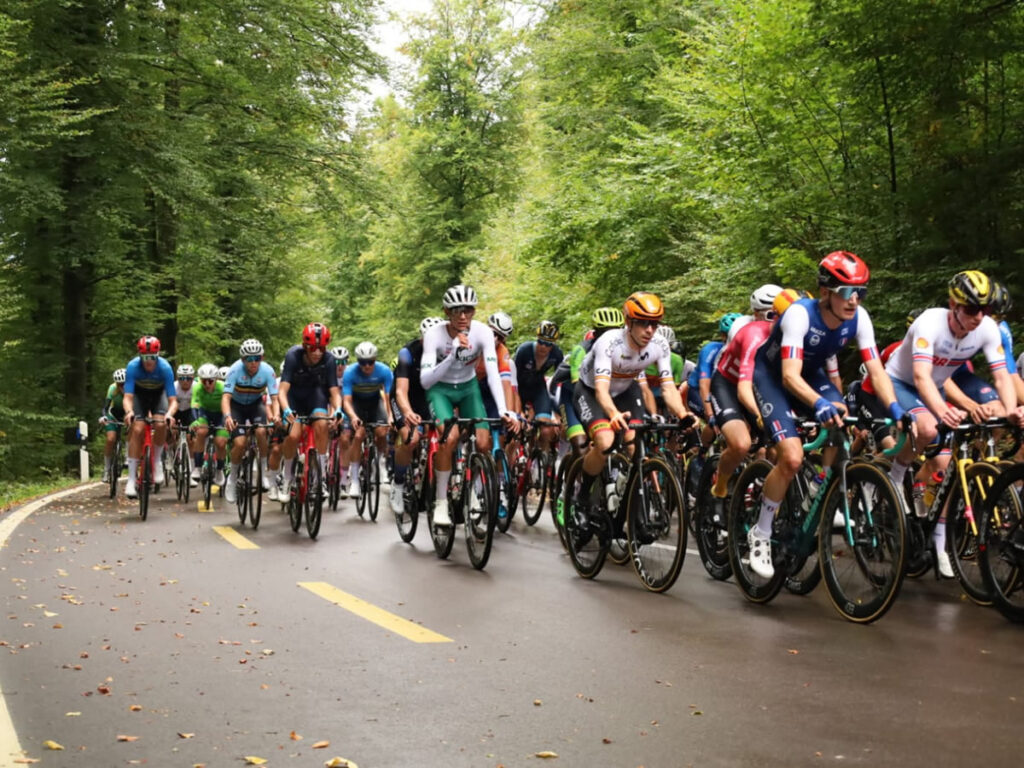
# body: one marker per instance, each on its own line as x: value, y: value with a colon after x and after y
x: 463, y: 310
x: 647, y: 323
x: 252, y: 358
x: 545, y: 343
x: 209, y: 381
x: 148, y: 358
x: 313, y: 347
x: 972, y: 310
x: 367, y: 362
x: 847, y: 292
x: 186, y: 378
x: 770, y: 314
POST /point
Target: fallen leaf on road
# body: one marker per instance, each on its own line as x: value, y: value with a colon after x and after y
x: 135, y: 708
x: 122, y: 737
x: 537, y: 702
x: 321, y: 745
x: 50, y: 744
x: 250, y: 760
x: 546, y: 754
x: 794, y: 651
x: 340, y: 762
x: 72, y: 714
x: 104, y: 689
x: 185, y: 735
x: 295, y: 737
x: 606, y: 740
x: 25, y: 760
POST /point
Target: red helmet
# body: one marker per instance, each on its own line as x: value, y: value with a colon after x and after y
x: 316, y: 335
x: 149, y: 345
x: 842, y: 268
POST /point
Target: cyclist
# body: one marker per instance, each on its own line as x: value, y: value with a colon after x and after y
x: 365, y: 398
x: 207, y: 415
x: 609, y: 395
x: 409, y: 408
x: 1001, y: 304
x: 448, y: 374
x: 150, y: 379
x: 184, y: 378
x: 222, y: 373
x: 677, y: 369
x: 309, y: 383
x: 277, y: 435
x: 532, y: 360
x: 567, y: 374
x: 501, y: 326
x: 344, y: 432
x: 933, y: 352
x: 790, y: 379
x: 113, y: 413
x: 760, y: 302
x: 249, y: 381
x: 732, y: 389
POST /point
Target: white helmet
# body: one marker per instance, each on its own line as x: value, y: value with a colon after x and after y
x: 340, y: 354
x: 668, y: 333
x: 761, y: 299
x: 250, y: 347
x: 459, y: 296
x: 429, y: 322
x: 185, y: 371
x: 207, y: 371
x: 366, y: 351
x: 281, y: 369
x: 501, y: 324
x: 120, y: 375
x: 222, y: 372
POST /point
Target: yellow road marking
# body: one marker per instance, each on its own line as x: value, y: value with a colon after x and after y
x: 234, y: 538
x: 370, y: 612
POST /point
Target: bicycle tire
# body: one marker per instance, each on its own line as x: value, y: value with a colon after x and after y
x: 587, y: 551
x: 504, y: 487
x: 744, y: 509
x: 535, y: 481
x: 334, y: 475
x: 207, y: 472
x: 364, y: 487
x: 961, y: 542
x: 556, y: 503
x: 295, y: 496
x: 256, y: 494
x: 374, y: 479
x: 712, y: 542
x: 479, y: 508
x: 314, y: 502
x: 185, y: 469
x: 442, y: 537
x: 863, y: 579
x: 242, y: 485
x: 116, y: 467
x: 1001, y: 544
x: 655, y: 524
x: 689, y: 482
x: 145, y: 470
x: 408, y: 519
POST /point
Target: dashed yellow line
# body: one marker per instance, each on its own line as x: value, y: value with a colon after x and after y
x: 233, y: 537
x: 389, y: 621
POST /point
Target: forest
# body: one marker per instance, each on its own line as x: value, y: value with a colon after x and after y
x: 213, y: 171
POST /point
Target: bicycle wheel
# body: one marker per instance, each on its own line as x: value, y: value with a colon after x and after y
x: 242, y: 485
x: 185, y: 469
x: 961, y: 540
x: 692, y: 471
x: 655, y: 525
x: 374, y: 483
x: 505, y: 488
x: 334, y: 475
x: 479, y: 508
x: 863, y: 563
x: 116, y: 466
x: 1001, y: 544
x: 207, y: 472
x: 744, y: 510
x: 534, y: 485
x: 364, y: 485
x: 617, y: 503
x: 296, y: 495
x: 586, y: 536
x: 556, y: 501
x: 443, y: 537
x: 710, y: 529
x: 314, y: 502
x: 408, y: 518
x: 145, y: 473
x: 256, y: 494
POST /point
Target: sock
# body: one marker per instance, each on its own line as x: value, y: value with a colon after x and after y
x: 198, y: 458
x: 764, y: 522
x: 353, y: 469
x: 939, y: 536
x: 234, y: 472
x: 133, y: 468
x: 108, y: 461
x: 220, y: 464
x: 442, y: 484
x: 323, y: 464
x: 289, y: 471
x: 158, y: 453
x: 400, y: 473
x: 897, y: 473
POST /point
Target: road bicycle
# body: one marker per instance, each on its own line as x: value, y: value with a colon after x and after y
x: 181, y: 465
x: 335, y: 459
x: 1001, y: 543
x: 506, y: 478
x: 369, y: 473
x: 305, y: 497
x: 652, y: 524
x: 249, y: 484
x: 861, y: 559
x: 418, y: 493
x: 147, y: 467
x: 533, y: 467
x: 472, y: 495
x: 117, y: 460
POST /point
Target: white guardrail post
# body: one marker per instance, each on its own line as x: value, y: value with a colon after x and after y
x: 83, y: 451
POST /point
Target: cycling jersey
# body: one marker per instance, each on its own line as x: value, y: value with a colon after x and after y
x: 409, y: 368
x: 208, y: 401
x: 364, y: 386
x: 302, y: 376
x: 1007, y: 336
x: 886, y: 353
x: 801, y: 333
x: 504, y: 363
x: 246, y: 389
x: 531, y: 377
x: 736, y: 361
x: 184, y: 395
x: 162, y: 377
x: 615, y: 360
x: 930, y: 339
x: 114, y: 402
x: 705, y: 364
x: 677, y: 374
x: 445, y: 363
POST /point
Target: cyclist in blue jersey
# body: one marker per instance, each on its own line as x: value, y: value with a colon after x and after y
x: 309, y: 384
x: 249, y: 393
x: 148, y: 391
x: 1001, y: 304
x: 532, y: 360
x: 790, y: 380
x: 365, y: 398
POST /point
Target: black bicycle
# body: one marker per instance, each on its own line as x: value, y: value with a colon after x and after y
x: 369, y: 473
x: 249, y: 486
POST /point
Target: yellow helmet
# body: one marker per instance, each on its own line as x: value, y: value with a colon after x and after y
x: 971, y: 287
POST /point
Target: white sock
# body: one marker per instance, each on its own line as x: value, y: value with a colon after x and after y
x: 133, y: 468
x: 108, y: 461
x: 939, y: 536
x: 442, y: 484
x: 353, y: 469
x: 158, y: 453
x: 897, y: 472
x: 764, y: 522
x: 323, y: 464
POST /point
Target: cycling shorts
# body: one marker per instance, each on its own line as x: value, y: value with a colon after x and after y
x: 309, y: 402
x: 592, y: 415
x: 780, y: 410
x: 370, y: 409
x: 726, y: 405
x: 242, y: 413
x: 212, y: 419
x: 540, y: 401
x: 445, y: 398
x: 150, y: 402
x: 570, y: 419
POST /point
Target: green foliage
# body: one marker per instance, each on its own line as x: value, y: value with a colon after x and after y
x: 32, y: 445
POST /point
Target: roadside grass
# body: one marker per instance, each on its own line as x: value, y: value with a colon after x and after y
x: 14, y: 494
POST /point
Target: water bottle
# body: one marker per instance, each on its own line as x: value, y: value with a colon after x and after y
x: 933, y: 485
x: 813, y: 484
x: 611, y: 495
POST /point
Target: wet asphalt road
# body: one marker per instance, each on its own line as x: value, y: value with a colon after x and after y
x: 201, y: 653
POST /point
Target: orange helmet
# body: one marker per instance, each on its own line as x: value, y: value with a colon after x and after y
x: 643, y: 306
x: 784, y: 299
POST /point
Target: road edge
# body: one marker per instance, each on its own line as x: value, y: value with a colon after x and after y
x: 10, y: 746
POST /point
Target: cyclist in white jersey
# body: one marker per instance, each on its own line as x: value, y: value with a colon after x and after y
x: 934, y: 351
x: 448, y: 375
